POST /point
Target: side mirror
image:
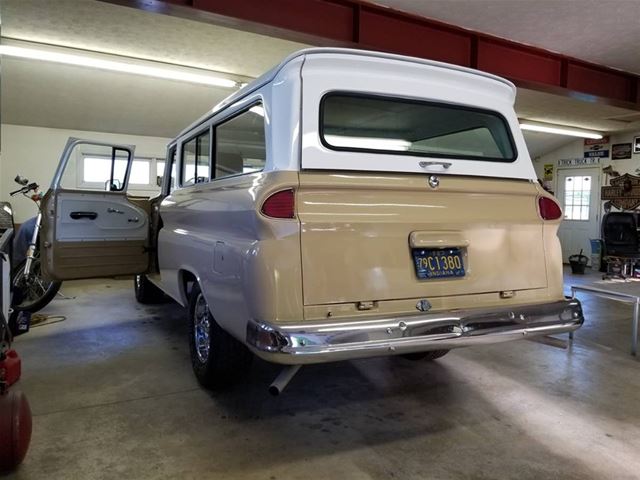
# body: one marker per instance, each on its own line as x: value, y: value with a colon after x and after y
x: 20, y: 180
x: 113, y: 185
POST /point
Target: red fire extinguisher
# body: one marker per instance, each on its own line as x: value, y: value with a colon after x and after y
x: 15, y: 414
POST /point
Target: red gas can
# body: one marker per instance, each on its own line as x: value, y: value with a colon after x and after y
x: 15, y: 429
x: 10, y: 368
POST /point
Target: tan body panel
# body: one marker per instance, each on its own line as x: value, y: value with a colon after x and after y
x: 75, y: 260
x: 357, y: 230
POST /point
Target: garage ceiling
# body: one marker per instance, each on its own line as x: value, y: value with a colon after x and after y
x: 605, y: 32
x: 102, y: 27
x: 59, y: 96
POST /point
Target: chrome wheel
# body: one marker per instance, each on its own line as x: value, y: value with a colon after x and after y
x: 202, y: 328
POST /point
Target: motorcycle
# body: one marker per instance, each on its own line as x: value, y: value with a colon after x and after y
x: 31, y: 290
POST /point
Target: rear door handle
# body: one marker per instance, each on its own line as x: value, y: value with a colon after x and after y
x: 443, y: 165
x: 79, y: 215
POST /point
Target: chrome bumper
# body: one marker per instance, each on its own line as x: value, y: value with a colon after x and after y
x: 357, y: 338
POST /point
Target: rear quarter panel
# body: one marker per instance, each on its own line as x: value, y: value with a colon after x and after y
x: 248, y: 266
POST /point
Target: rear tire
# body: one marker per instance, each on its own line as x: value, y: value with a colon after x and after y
x: 146, y: 292
x: 428, y: 356
x: 218, y: 359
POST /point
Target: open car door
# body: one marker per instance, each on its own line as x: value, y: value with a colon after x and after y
x: 90, y: 228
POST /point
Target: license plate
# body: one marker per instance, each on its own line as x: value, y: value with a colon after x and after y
x: 438, y: 263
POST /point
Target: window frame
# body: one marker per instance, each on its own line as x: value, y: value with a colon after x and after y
x: 81, y: 184
x: 171, y: 158
x: 214, y: 142
x: 183, y: 143
x: 414, y: 101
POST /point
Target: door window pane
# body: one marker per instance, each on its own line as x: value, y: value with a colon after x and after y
x: 195, y: 160
x: 98, y: 170
x: 577, y: 197
x: 240, y: 144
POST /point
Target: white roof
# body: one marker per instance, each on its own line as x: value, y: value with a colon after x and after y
x: 271, y: 74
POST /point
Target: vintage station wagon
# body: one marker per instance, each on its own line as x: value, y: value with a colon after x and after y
x: 346, y: 204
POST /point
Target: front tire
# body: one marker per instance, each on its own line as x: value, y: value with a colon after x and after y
x: 146, y: 292
x: 218, y: 359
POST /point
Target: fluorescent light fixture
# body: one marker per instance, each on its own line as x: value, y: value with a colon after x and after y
x: 365, y: 142
x: 115, y: 66
x: 560, y: 130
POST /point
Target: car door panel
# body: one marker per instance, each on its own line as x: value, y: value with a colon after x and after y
x: 98, y: 216
x: 89, y: 233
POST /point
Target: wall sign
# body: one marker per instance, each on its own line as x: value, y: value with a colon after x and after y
x: 578, y: 162
x: 620, y: 151
x: 624, y: 192
x: 596, y: 148
x: 636, y: 144
x: 593, y: 141
x: 597, y: 154
x: 548, y: 171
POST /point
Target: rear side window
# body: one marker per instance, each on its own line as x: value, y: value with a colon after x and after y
x: 354, y: 122
x: 240, y: 143
x: 195, y: 159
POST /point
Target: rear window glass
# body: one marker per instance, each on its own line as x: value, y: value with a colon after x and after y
x: 407, y: 127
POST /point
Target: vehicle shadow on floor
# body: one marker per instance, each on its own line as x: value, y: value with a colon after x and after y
x: 424, y: 407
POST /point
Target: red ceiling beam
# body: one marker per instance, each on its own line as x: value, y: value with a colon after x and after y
x: 359, y: 24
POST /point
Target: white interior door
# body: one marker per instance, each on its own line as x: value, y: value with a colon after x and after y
x: 578, y: 194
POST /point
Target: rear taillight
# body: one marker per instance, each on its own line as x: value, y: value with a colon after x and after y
x: 549, y: 210
x: 280, y: 205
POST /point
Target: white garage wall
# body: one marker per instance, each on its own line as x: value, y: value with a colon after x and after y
x: 34, y: 153
x: 576, y: 150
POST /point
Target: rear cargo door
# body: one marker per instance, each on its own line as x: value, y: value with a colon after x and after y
x: 364, y: 237
x: 415, y: 182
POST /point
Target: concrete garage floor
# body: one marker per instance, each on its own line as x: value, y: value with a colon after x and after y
x: 113, y: 396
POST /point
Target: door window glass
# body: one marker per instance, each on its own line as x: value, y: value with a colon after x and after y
x: 577, y: 197
x: 102, y: 167
x: 240, y: 144
x: 195, y: 160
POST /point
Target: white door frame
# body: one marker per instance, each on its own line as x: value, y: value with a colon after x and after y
x: 597, y: 170
x: 597, y: 167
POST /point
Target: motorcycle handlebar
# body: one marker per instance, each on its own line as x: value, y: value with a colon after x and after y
x: 27, y: 188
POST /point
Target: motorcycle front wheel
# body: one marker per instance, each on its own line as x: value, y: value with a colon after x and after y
x: 35, y: 292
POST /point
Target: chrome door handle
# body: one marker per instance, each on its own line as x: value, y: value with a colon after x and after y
x: 444, y: 165
x: 133, y: 220
x: 79, y: 215
x: 114, y: 210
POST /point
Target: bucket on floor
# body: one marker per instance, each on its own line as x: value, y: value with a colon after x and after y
x: 578, y: 263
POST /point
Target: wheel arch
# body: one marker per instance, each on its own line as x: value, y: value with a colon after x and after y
x: 186, y: 280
